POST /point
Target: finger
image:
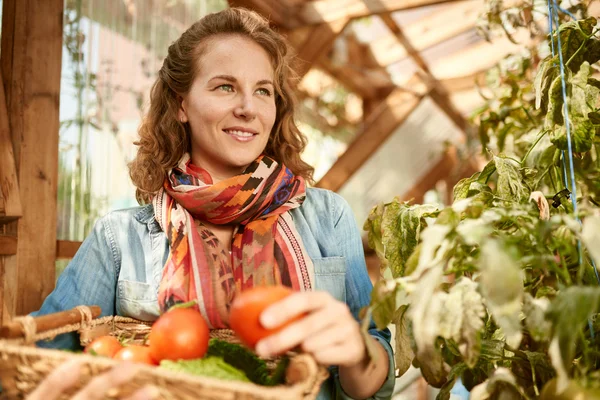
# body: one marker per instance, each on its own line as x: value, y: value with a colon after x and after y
x: 145, y: 393
x: 347, y: 339
x: 62, y: 378
x: 292, y: 306
x: 325, y: 339
x: 296, y: 333
x: 100, y: 385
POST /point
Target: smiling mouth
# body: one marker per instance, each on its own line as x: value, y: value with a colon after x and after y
x: 239, y: 135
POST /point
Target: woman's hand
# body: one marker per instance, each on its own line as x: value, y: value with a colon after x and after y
x: 67, y: 375
x: 329, y: 331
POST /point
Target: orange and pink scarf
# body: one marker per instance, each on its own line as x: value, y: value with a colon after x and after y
x: 266, y: 247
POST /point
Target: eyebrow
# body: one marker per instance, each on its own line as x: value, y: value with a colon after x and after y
x: 230, y: 78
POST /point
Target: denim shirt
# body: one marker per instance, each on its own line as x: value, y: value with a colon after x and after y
x: 119, y: 268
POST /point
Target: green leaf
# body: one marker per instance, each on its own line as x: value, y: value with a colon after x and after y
x: 554, y: 114
x: 569, y: 313
x: 594, y: 117
x: 501, y: 284
x: 573, y: 35
x: 510, y: 182
x: 455, y: 372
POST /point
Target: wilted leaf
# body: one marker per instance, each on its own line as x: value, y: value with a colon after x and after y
x: 535, y: 317
x: 473, y: 231
x: 433, y: 247
x: 501, y: 385
x: 373, y: 227
x: 425, y: 309
x: 542, y: 78
x: 590, y: 236
x: 403, y: 353
x: 401, y: 226
x: 461, y: 319
x: 582, y: 128
x: 501, y: 284
x: 510, y: 181
x: 383, y: 302
x: 542, y: 203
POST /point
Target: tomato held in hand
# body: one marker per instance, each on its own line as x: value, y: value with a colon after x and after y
x: 105, y: 346
x: 179, y: 334
x: 247, y: 307
x: 135, y: 353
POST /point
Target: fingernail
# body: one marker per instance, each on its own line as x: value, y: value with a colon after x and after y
x: 267, y: 320
x: 262, y: 349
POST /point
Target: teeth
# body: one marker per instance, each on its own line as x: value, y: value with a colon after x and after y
x: 240, y: 133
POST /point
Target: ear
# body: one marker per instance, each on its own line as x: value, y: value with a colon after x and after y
x: 182, y: 114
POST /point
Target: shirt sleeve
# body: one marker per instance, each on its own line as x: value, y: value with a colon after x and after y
x: 89, y: 279
x: 358, y: 290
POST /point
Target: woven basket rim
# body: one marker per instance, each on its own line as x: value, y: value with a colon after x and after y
x: 19, y: 348
x: 248, y: 387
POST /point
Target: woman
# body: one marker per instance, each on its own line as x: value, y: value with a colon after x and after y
x: 219, y: 163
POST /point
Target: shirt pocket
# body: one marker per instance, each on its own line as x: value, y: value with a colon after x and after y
x: 330, y: 275
x: 137, y: 300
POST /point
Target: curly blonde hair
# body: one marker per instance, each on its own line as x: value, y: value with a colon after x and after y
x: 163, y: 139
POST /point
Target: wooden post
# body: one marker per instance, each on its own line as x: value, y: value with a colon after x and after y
x: 31, y: 66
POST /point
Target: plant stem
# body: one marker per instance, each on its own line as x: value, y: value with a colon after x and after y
x: 533, y: 146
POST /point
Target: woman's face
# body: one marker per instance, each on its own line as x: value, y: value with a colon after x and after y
x: 230, y: 106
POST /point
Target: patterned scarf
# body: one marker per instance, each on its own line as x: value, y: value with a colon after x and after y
x: 266, y: 247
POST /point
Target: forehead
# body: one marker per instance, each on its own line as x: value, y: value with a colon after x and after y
x: 234, y: 55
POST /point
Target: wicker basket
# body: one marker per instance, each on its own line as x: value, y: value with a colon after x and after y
x: 23, y: 366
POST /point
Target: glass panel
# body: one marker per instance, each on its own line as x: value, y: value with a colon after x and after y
x: 112, y: 51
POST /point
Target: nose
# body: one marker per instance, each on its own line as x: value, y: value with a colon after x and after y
x: 245, y: 109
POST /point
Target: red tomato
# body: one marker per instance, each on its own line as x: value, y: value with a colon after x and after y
x: 179, y: 334
x: 247, y: 307
x: 105, y: 346
x: 135, y: 353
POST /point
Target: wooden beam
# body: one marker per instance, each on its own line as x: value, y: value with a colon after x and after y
x: 31, y: 72
x: 429, y: 31
x: 8, y: 245
x: 320, y: 11
x: 437, y: 92
x: 317, y: 44
x: 481, y: 56
x: 274, y: 10
x: 383, y: 121
x: 10, y: 203
x: 66, y: 248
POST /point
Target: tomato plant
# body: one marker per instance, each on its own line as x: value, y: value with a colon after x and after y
x: 247, y: 307
x: 135, y: 353
x: 179, y: 334
x: 105, y: 346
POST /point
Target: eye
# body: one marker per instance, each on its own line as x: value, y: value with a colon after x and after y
x: 264, y: 92
x: 225, y: 88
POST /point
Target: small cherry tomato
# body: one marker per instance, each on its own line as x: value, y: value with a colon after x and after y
x: 179, y: 334
x: 105, y: 346
x: 135, y: 353
x: 247, y: 307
